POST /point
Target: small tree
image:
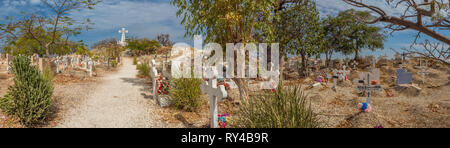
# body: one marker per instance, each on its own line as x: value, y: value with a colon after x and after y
x: 164, y: 40
x: 47, y: 29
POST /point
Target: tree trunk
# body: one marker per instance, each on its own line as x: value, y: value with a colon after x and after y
x: 356, y: 55
x: 303, y: 69
x: 243, y: 88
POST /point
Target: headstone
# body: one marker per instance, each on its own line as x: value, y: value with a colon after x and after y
x: 41, y: 64
x: 154, y: 75
x: 9, y: 58
x: 57, y: 62
x: 338, y: 75
x: 215, y: 93
x: 403, y: 77
x: 354, y: 64
x: 90, y: 67
x: 365, y: 84
x: 423, y: 71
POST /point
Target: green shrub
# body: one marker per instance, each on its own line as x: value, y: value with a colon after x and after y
x: 185, y: 94
x: 30, y: 97
x: 286, y: 108
x: 143, y: 70
x: 114, y: 63
x: 48, y: 74
x: 135, y: 60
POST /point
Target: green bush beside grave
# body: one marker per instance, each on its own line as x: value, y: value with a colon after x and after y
x: 135, y: 60
x: 185, y: 94
x: 143, y: 70
x: 30, y: 98
x: 286, y: 108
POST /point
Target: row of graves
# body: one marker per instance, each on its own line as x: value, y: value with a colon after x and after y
x: 215, y: 88
x: 366, y: 83
x: 59, y: 64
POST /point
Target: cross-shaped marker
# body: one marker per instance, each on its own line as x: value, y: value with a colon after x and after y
x: 215, y: 93
x: 366, y: 86
x: 423, y: 71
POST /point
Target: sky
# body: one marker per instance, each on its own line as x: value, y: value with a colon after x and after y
x: 147, y: 18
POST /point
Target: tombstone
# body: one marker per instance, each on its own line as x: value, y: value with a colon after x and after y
x: 9, y: 58
x: 41, y: 64
x: 423, y: 71
x: 354, y: 64
x: 365, y: 85
x: 90, y: 67
x: 72, y: 61
x: 154, y: 75
x: 57, y: 62
x: 338, y: 75
x: 215, y: 93
x: 403, y: 77
x: 273, y: 79
x: 66, y: 61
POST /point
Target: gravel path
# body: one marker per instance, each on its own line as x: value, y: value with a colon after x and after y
x: 116, y: 102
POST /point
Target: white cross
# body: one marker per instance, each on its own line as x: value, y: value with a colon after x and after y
x: 154, y: 75
x: 423, y: 71
x: 122, y: 40
x: 215, y: 92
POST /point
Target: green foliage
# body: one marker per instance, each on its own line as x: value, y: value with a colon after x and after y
x: 48, y: 74
x: 143, y: 46
x: 228, y: 21
x: 113, y: 63
x: 135, y: 60
x: 144, y: 70
x: 286, y: 108
x: 347, y: 34
x: 299, y: 29
x: 185, y: 94
x: 30, y: 97
x: 83, y: 50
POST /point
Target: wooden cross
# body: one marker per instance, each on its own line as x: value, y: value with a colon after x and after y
x: 215, y: 93
x: 366, y: 86
x: 423, y: 71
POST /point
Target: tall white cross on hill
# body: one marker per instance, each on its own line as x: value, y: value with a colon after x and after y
x: 122, y: 40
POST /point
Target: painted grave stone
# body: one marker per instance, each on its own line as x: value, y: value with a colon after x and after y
x: 404, y: 77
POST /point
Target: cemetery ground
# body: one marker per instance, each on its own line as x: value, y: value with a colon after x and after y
x: 119, y: 98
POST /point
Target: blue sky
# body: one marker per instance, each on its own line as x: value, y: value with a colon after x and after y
x: 147, y: 18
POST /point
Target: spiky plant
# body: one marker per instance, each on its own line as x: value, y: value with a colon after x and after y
x: 30, y: 98
x: 285, y: 108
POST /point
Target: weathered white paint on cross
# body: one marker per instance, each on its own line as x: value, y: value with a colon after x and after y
x: 154, y: 75
x: 122, y: 40
x: 423, y: 70
x: 215, y: 93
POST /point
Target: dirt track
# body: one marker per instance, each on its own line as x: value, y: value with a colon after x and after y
x: 116, y: 101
